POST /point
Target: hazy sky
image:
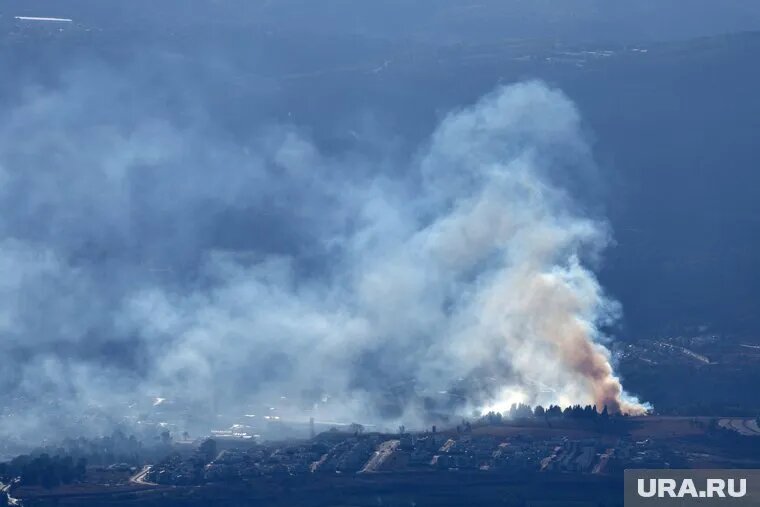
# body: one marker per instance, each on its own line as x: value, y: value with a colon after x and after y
x: 433, y: 21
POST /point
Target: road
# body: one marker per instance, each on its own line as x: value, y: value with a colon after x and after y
x: 140, y: 477
x: 5, y: 489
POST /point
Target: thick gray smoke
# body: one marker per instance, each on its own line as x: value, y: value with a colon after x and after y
x: 148, y: 257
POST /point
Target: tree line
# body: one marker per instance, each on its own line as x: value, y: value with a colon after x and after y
x: 523, y: 411
x: 67, y: 461
x: 44, y: 470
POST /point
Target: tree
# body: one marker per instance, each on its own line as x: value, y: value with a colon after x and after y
x: 208, y: 449
x: 492, y: 418
x: 48, y: 477
x: 523, y: 411
x: 81, y: 468
x: 356, y: 428
x: 66, y: 469
x: 539, y: 411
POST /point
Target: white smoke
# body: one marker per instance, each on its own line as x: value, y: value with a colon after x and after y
x: 478, y: 268
x: 474, y: 264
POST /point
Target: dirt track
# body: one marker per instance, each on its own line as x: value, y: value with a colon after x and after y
x: 746, y: 427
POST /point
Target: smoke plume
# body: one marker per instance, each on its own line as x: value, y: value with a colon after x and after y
x: 148, y: 255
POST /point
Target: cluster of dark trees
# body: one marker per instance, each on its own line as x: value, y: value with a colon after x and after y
x: 118, y: 447
x: 208, y: 449
x: 66, y: 462
x: 523, y: 411
x: 44, y: 470
x: 114, y: 448
x: 578, y: 412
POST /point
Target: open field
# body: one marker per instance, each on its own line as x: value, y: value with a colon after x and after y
x: 659, y: 427
x: 663, y: 427
x: 541, y: 431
